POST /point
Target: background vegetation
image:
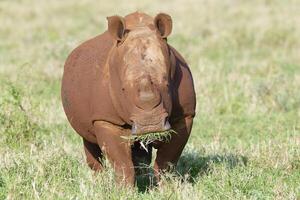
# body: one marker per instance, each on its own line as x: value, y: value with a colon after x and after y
x: 245, y: 58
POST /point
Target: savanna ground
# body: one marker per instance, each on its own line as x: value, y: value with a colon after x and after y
x: 245, y: 58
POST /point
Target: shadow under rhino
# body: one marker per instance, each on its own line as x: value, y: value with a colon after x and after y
x: 191, y: 166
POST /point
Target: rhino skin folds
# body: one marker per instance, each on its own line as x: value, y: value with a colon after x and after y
x: 129, y: 80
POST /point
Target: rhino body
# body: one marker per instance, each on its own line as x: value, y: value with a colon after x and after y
x: 129, y: 80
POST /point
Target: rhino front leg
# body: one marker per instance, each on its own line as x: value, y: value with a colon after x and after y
x: 93, y: 154
x: 117, y: 150
x: 169, y: 153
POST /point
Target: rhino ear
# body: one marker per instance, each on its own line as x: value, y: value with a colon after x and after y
x: 163, y: 23
x: 116, y: 27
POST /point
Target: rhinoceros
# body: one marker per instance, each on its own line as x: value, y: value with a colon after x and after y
x: 129, y: 80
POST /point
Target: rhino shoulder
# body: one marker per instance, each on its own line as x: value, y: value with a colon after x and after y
x: 94, y: 50
x: 184, y: 97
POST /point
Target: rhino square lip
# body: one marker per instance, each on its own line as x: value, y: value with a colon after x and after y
x: 150, y: 129
x: 142, y: 126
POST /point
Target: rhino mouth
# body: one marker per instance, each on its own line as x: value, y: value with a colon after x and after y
x: 149, y: 124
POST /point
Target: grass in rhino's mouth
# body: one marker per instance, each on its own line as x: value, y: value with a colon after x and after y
x: 151, y: 137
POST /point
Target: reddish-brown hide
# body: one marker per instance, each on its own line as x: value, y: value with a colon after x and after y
x: 125, y: 81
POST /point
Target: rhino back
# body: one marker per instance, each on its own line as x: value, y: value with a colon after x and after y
x: 85, y: 91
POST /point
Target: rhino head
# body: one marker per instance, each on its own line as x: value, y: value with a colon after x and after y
x: 141, y: 71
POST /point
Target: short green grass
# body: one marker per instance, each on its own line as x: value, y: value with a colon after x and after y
x: 245, y: 58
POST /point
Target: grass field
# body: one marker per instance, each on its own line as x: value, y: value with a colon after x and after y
x: 245, y: 59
